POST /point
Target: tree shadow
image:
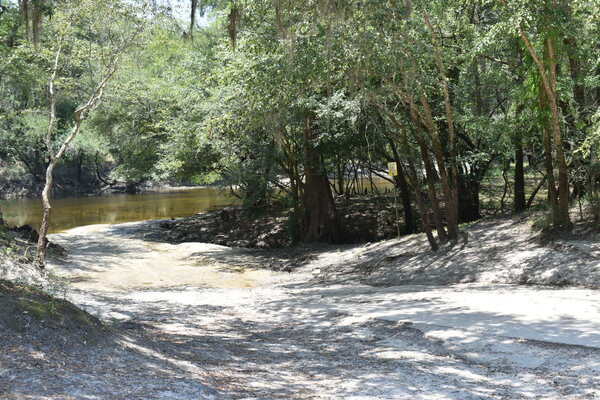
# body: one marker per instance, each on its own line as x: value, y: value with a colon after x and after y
x: 304, y: 347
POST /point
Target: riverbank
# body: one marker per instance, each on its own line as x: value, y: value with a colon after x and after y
x: 197, y: 320
x: 362, y: 218
x: 17, y: 254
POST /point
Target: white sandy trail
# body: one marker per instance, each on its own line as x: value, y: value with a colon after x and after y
x: 281, y: 336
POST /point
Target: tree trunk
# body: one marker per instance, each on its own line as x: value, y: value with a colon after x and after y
x: 194, y: 9
x: 563, y: 221
x: 25, y: 15
x: 547, y: 68
x: 447, y: 173
x: 36, y: 22
x: 519, y: 184
x: 598, y: 74
x: 468, y: 199
x: 31, y: 12
x: 320, y: 216
x: 549, y: 160
x: 405, y: 197
x: 435, y: 205
x: 535, y: 191
x: 430, y: 171
x: 416, y: 184
x: 574, y: 61
x: 424, y: 215
x: 42, y: 244
x: 341, y: 181
x: 404, y: 189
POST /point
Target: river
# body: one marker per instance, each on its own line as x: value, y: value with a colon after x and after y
x: 71, y: 212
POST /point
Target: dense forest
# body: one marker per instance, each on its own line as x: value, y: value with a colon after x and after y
x: 294, y: 102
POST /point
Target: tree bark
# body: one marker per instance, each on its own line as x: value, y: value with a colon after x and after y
x: 563, y: 221
x: 468, y: 199
x: 341, y: 175
x: 42, y: 244
x: 320, y: 216
x: 552, y: 198
x: 25, y: 15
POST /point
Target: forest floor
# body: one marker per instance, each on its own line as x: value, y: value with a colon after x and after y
x: 387, y: 320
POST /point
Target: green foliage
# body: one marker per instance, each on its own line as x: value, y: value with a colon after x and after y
x: 202, y: 111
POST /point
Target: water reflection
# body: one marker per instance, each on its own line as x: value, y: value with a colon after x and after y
x: 78, y: 211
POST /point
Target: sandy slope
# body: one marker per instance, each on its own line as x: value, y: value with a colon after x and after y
x: 197, y: 315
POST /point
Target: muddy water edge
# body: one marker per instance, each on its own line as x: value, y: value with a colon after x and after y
x: 71, y: 212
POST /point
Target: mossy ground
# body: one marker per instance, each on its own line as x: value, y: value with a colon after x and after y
x: 28, y: 311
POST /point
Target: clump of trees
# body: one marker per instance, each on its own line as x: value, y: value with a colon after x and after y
x: 449, y: 91
x: 305, y: 99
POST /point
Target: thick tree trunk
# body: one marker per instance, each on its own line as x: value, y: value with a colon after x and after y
x: 468, y: 199
x: 320, y: 216
x: 25, y: 15
x: 36, y: 22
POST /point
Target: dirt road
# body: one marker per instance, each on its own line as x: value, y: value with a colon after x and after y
x: 201, y: 321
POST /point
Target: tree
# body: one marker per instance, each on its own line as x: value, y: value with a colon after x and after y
x: 108, y: 33
x: 549, y: 30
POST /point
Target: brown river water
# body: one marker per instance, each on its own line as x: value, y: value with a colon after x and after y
x: 72, y: 212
